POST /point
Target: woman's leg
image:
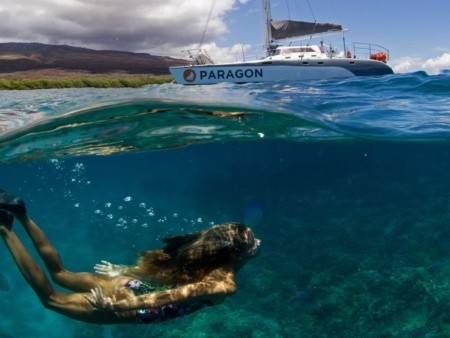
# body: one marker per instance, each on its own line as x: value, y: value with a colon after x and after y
x: 71, y: 305
x: 30, y: 270
x: 80, y: 282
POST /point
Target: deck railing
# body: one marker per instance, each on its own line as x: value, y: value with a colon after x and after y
x: 363, y: 50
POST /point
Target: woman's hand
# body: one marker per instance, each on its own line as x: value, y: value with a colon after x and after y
x: 100, y: 301
x: 108, y: 269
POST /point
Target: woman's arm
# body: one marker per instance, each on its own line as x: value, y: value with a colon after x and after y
x: 112, y: 270
x: 214, y: 287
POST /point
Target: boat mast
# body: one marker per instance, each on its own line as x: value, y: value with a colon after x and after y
x: 267, y: 22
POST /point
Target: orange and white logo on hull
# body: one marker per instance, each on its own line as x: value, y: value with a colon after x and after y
x: 189, y: 75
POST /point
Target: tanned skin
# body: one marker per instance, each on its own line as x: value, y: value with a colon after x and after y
x: 104, y: 298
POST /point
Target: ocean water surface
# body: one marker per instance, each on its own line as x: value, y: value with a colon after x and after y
x: 346, y: 183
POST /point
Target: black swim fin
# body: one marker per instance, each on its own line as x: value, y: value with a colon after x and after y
x: 6, y: 218
x: 12, y: 203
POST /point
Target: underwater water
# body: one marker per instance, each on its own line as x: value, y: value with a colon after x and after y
x: 346, y: 183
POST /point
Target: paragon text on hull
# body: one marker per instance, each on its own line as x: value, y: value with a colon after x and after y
x: 220, y: 74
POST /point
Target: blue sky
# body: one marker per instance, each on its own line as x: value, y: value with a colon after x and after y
x: 415, y: 32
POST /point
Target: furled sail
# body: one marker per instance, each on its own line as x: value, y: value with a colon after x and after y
x: 286, y: 29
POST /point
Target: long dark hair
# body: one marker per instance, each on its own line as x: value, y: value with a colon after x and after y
x: 190, y: 257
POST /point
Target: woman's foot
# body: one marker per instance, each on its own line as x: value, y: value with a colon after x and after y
x: 6, y: 219
x: 12, y: 203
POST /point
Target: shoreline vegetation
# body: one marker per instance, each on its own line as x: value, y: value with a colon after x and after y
x: 55, y: 78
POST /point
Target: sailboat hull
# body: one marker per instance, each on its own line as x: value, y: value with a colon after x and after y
x: 283, y: 70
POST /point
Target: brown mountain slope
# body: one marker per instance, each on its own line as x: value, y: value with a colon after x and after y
x: 15, y: 57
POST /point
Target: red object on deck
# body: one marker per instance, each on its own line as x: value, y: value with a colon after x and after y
x: 380, y: 56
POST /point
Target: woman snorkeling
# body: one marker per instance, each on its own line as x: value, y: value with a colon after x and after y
x: 190, y: 272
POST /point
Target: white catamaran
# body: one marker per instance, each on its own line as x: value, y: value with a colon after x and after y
x: 304, y: 62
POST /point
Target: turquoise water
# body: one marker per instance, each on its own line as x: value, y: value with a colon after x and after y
x: 346, y: 183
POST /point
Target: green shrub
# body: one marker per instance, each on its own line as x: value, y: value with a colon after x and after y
x: 94, y: 81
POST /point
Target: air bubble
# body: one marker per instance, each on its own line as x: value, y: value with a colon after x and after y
x: 142, y: 205
x: 78, y: 166
x: 127, y: 199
